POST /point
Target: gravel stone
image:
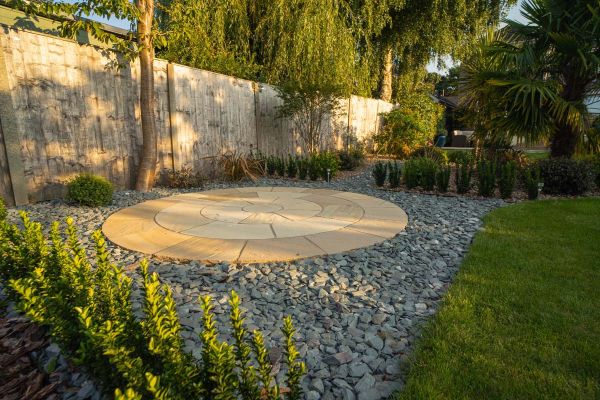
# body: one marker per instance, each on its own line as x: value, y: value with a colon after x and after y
x: 367, y: 304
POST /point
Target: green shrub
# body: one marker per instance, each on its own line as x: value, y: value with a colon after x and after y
x: 428, y: 169
x: 271, y: 165
x: 508, y: 175
x: 486, y: 173
x: 292, y: 167
x: 87, y: 308
x: 314, y: 168
x: 90, y: 190
x: 184, y: 178
x: 380, y: 173
x: 434, y: 153
x: 394, y: 174
x: 464, y: 172
x: 302, y: 168
x: 594, y: 161
x: 461, y: 157
x: 350, y: 159
x: 420, y: 172
x: 566, y: 176
x: 3, y: 212
x: 531, y: 181
x: 442, y: 180
x: 327, y: 160
x: 280, y: 167
x: 409, y: 126
x: 412, y: 173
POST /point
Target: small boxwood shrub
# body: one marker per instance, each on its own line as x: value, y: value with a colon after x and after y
x: 90, y: 190
x: 412, y: 173
x: 280, y: 166
x: 271, y: 165
x: 566, y: 176
x: 314, y: 168
x: 428, y: 170
x: 486, y: 173
x: 380, y: 173
x: 350, y: 159
x: 531, y: 181
x: 327, y: 160
x: 442, y: 179
x: 292, y: 167
x: 302, y: 168
x: 508, y: 176
x: 394, y: 174
x: 464, y: 172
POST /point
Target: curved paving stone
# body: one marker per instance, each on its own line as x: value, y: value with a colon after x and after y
x: 255, y: 224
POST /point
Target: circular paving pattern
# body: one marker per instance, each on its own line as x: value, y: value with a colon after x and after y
x: 255, y: 224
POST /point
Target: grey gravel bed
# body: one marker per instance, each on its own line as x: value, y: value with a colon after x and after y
x: 357, y: 313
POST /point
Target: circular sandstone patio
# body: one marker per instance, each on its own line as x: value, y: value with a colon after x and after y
x: 255, y: 224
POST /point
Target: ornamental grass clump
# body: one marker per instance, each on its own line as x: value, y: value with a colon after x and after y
x: 380, y: 173
x: 90, y: 190
x: 508, y: 176
x: 395, y: 174
x: 86, y: 304
x: 486, y: 172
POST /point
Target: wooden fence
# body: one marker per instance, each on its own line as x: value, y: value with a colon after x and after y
x: 63, y: 112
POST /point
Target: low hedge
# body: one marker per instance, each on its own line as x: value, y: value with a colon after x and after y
x: 86, y: 305
x: 566, y: 176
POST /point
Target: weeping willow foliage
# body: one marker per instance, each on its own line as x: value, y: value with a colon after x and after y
x: 216, y: 35
x: 313, y: 42
x: 419, y: 30
x: 310, y: 41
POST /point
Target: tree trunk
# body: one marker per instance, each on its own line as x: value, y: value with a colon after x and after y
x: 148, y: 159
x: 564, y: 141
x: 385, y: 93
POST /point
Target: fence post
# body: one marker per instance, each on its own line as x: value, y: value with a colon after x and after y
x: 173, y: 118
x: 12, y: 137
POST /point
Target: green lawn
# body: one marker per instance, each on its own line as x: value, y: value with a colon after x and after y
x: 522, y: 320
x: 537, y: 155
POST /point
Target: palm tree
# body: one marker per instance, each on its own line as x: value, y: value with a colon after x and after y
x: 532, y: 80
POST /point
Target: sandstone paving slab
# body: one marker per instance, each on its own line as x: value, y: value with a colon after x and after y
x: 281, y: 249
x: 195, y: 248
x: 255, y: 224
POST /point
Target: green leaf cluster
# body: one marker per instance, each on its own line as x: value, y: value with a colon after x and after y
x: 90, y: 190
x: 86, y: 305
x: 410, y: 126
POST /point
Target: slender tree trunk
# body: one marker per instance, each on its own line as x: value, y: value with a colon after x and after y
x: 385, y: 93
x: 148, y: 159
x: 564, y: 141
